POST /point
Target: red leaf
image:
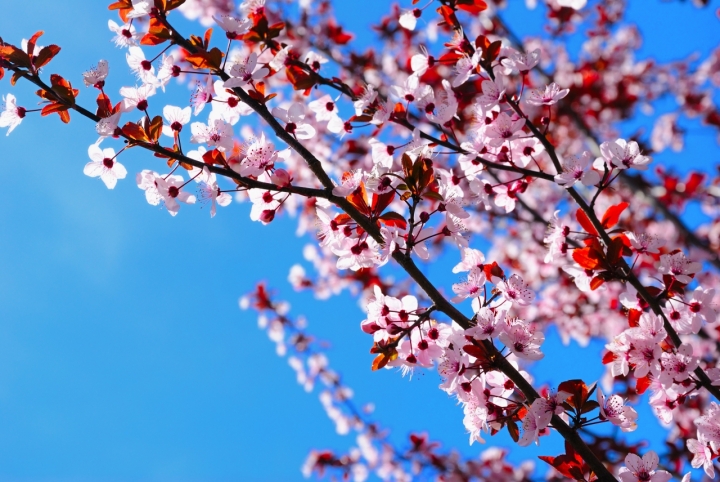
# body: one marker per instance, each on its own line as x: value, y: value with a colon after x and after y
x: 45, y: 55
x: 634, y: 318
x: 578, y: 393
x: 214, y: 157
x: 448, y: 16
x: 493, y: 270
x: 612, y: 215
x: 596, y: 283
x: 380, y: 202
x: 358, y: 198
x: 608, y: 358
x: 31, y: 43
x: 472, y: 6
x: 105, y: 108
x: 587, y: 258
x: 585, y: 222
x: 394, y: 219
x: 642, y: 384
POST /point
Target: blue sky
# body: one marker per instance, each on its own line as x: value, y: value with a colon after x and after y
x: 123, y: 355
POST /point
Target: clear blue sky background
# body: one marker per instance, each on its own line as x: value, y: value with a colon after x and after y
x: 123, y: 355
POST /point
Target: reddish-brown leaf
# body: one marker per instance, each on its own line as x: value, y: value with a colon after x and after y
x: 612, y: 215
x: 382, y: 201
x: 358, y: 198
x: 45, y: 55
x: 15, y: 56
x: 587, y: 258
x: 472, y: 6
x: 53, y: 108
x: 105, y: 108
x: 206, y: 60
x: 32, y: 42
x: 393, y: 219
x: 513, y: 430
x: 155, y: 128
x: 634, y: 318
x: 135, y: 132
x: 448, y: 16
x: 596, y: 282
x: 642, y: 384
x: 493, y: 270
x: 578, y: 393
x: 214, y: 157
x: 299, y: 78
x: 608, y: 357
x: 585, y: 222
x: 173, y: 4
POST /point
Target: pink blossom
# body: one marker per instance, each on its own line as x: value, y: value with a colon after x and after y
x: 97, y: 75
x: 104, y: 166
x: 216, y: 133
x: 616, y: 412
x: 125, y: 35
x: 175, y: 118
x: 142, y: 67
x: 678, y: 266
x: 578, y: 168
x: 522, y: 62
x: 245, y: 71
x: 515, y: 290
x: 232, y: 26
x: 325, y: 109
x: 136, y: 97
x: 12, y: 115
x: 522, y: 341
x: 623, y: 154
x: 537, y: 419
x: 504, y: 129
x: 643, y: 470
x: 645, y: 243
x: 549, y: 96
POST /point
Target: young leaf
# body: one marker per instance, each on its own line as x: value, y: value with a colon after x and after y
x: 612, y: 215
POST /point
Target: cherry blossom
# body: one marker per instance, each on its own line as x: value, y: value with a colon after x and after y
x: 643, y: 469
x: 551, y: 95
x: 409, y: 18
x: 645, y: 243
x: 504, y: 129
x: 537, y: 419
x: 140, y: 8
x: 143, y: 68
x: 522, y: 341
x: 623, y: 155
x: 216, y: 133
x: 325, y: 109
x: 615, y: 410
x: 97, y: 75
x: 515, y: 290
x: 209, y: 191
x: 522, y: 62
x: 104, y: 165
x: 12, y: 114
x: 176, y: 118
x: 295, y: 123
x: 244, y: 71
x: 260, y: 154
x: 578, y: 168
x: 171, y: 190
x: 125, y: 35
x: 136, y: 97
x: 232, y: 26
x: 678, y: 266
